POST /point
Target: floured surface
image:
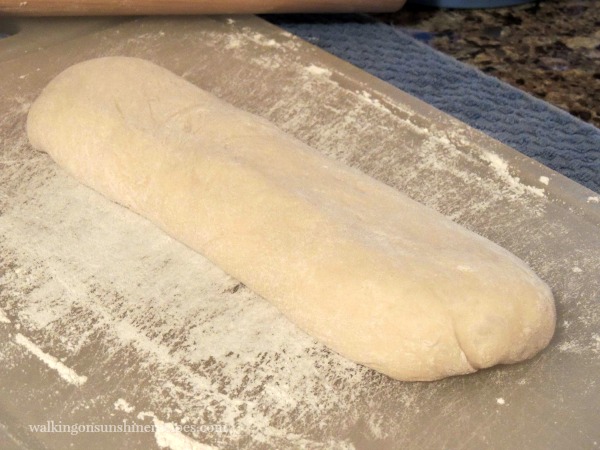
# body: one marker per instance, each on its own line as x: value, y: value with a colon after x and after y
x: 153, y: 324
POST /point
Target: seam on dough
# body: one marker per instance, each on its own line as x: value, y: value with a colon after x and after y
x: 472, y: 365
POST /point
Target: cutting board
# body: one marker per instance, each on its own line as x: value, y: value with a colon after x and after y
x: 106, y: 321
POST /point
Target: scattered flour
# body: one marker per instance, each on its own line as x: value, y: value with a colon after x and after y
x: 501, y: 401
x: 122, y: 405
x: 366, y: 96
x: 167, y: 435
x: 594, y: 199
x: 233, y: 42
x: 319, y: 71
x: 576, y: 269
x: 236, y: 40
x: 571, y: 347
x: 591, y: 344
x: 3, y: 318
x: 66, y: 373
x: 262, y: 40
x: 595, y: 343
x: 545, y: 180
x: 376, y: 426
x: 500, y: 166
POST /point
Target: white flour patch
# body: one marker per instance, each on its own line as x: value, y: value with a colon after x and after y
x: 168, y: 436
x: 267, y: 62
x: 366, y: 96
x: 595, y: 347
x: 589, y: 345
x: 233, y: 42
x: 501, y: 168
x: 262, y: 40
x: 268, y: 52
x: 3, y: 318
x: 545, y: 180
x: 594, y: 199
x: 571, y: 347
x: 501, y: 401
x: 122, y: 405
x: 66, y: 373
x: 319, y: 71
x: 576, y: 269
x: 376, y: 425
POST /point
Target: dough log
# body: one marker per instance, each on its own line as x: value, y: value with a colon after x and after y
x: 374, y: 275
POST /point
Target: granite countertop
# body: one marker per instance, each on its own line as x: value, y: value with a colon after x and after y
x: 551, y: 50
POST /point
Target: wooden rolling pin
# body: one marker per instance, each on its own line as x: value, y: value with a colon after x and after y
x: 147, y: 7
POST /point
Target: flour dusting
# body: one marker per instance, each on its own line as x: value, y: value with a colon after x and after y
x: 319, y: 71
x: 571, y: 347
x: 122, y: 405
x: 66, y: 373
x: 233, y: 42
x: 501, y: 168
x: 3, y: 318
x: 167, y: 435
x: 262, y: 40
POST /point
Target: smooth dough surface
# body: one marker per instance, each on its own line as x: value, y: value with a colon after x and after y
x: 374, y: 275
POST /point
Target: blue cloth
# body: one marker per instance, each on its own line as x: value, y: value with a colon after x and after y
x: 534, y: 127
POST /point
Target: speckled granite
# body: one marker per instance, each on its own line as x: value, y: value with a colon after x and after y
x: 551, y: 51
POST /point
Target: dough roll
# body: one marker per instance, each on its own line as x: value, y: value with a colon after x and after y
x: 374, y: 275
